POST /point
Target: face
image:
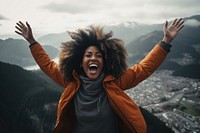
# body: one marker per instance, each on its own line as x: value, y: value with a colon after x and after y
x: 92, y: 62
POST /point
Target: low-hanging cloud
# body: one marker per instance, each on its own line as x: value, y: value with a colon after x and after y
x: 192, y: 23
x: 126, y: 9
x: 71, y: 7
x: 3, y: 18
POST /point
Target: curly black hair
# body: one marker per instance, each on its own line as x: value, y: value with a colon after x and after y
x: 113, y: 50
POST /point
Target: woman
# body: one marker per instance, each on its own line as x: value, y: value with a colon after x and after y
x: 93, y: 70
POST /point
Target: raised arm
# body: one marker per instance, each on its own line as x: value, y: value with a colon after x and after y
x: 25, y: 31
x: 155, y: 57
x: 43, y: 60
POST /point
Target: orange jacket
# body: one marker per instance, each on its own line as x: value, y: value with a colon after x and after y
x: 130, y: 117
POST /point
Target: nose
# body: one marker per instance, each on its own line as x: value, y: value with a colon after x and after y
x: 93, y: 57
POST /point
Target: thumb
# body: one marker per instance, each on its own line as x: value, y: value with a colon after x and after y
x: 166, y: 25
x: 29, y: 27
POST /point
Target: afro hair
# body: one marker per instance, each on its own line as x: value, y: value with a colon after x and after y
x: 113, y: 50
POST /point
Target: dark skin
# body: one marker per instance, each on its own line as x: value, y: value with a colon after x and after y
x: 25, y: 31
x: 171, y: 31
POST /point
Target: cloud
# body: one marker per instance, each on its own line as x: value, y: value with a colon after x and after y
x: 192, y: 23
x: 3, y: 18
x: 126, y: 10
x: 56, y: 16
x: 70, y: 7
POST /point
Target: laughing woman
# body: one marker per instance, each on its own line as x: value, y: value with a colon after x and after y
x: 93, y: 70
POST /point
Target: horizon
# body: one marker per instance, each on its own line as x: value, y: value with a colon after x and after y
x: 129, y: 24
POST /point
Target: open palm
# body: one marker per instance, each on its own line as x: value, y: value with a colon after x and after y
x: 171, y: 31
x: 25, y: 31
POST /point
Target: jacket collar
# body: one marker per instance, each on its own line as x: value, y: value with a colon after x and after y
x: 108, y: 78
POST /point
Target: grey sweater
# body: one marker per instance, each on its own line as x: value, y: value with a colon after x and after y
x: 93, y: 111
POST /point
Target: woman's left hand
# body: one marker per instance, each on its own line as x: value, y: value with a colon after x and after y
x: 171, y: 31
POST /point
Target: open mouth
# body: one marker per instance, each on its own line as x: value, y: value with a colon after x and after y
x: 93, y: 68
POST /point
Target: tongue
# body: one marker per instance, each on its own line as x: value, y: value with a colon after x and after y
x: 93, y: 70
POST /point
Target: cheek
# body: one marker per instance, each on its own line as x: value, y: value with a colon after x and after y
x: 102, y: 63
x: 84, y: 63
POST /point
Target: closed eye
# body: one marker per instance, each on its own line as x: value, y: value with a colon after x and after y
x: 88, y: 55
x: 99, y: 55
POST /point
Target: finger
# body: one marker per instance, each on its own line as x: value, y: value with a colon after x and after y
x: 23, y: 25
x: 177, y: 23
x: 18, y: 32
x: 179, y: 28
x: 18, y: 28
x: 174, y: 21
x: 29, y: 27
x: 166, y: 24
x: 180, y: 24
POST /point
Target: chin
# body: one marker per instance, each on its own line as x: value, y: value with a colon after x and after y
x: 93, y: 76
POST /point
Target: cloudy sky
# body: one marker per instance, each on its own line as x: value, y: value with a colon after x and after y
x: 48, y: 16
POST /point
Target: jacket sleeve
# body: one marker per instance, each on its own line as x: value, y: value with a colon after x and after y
x: 46, y: 64
x: 143, y: 69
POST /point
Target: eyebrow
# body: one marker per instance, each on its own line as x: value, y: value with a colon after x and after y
x: 91, y: 52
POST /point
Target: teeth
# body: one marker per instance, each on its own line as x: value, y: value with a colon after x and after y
x: 93, y: 65
x: 93, y: 68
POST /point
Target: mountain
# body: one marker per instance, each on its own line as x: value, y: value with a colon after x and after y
x: 127, y: 31
x: 28, y: 101
x: 185, y: 50
x: 191, y: 71
x: 16, y: 51
x: 54, y: 39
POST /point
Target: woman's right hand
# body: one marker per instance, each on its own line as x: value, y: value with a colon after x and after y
x: 25, y: 31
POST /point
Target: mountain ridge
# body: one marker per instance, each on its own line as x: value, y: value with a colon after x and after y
x: 23, y: 97
x: 16, y: 51
x: 184, y: 52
